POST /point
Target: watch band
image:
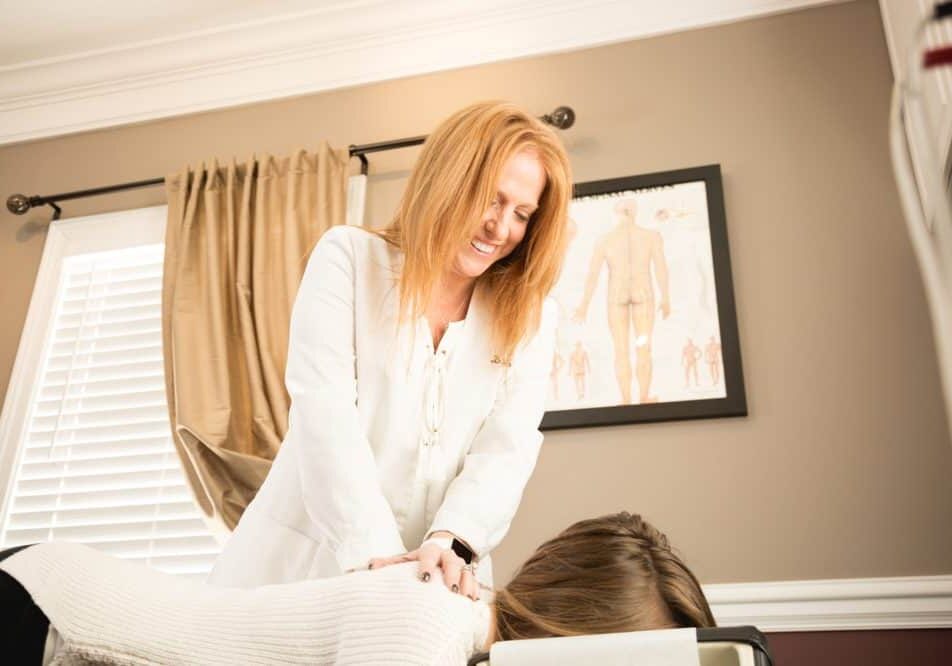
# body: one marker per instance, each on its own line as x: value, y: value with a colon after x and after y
x: 445, y: 543
x: 454, y: 544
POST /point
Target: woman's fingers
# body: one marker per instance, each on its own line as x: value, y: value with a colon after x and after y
x: 380, y: 562
x: 452, y: 565
x: 468, y: 584
x: 429, y: 557
x: 434, y: 560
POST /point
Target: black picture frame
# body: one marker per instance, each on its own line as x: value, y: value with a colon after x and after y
x: 639, y: 188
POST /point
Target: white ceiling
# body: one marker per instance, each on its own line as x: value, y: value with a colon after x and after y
x: 71, y: 66
x: 57, y: 28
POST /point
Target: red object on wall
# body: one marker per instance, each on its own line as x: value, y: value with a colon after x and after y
x: 936, y: 57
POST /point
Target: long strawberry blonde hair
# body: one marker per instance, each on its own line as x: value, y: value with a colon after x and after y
x: 452, y: 185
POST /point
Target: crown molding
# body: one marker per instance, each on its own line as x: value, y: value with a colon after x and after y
x: 921, y: 602
x: 339, y: 45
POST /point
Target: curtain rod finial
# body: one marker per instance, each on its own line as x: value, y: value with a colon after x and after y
x: 562, y: 118
x: 18, y: 204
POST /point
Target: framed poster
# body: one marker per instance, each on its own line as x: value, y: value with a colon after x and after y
x: 647, y: 326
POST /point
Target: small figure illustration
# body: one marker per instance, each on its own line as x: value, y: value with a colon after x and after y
x: 667, y: 214
x: 689, y: 358
x: 579, y: 367
x: 712, y: 354
x: 631, y: 253
x: 557, y: 364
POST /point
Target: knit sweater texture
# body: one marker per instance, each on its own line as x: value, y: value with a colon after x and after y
x: 116, y: 612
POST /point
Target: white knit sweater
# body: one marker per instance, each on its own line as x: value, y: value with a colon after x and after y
x: 115, y: 612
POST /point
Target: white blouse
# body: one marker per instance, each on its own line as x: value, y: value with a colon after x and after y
x: 388, y: 438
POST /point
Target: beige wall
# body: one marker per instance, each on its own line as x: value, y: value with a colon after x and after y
x: 843, y: 467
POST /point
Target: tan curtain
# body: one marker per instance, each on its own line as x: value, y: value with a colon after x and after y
x: 237, y: 242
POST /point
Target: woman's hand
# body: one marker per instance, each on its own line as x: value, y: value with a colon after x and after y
x: 380, y: 562
x: 457, y: 575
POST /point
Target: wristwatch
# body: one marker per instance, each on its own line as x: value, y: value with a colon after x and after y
x: 454, y: 544
x: 462, y: 550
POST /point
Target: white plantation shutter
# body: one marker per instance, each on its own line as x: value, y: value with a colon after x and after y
x: 95, y: 461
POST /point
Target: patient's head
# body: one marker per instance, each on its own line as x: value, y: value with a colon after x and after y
x: 610, y: 574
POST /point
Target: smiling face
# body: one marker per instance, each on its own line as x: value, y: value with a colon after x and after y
x: 504, y: 224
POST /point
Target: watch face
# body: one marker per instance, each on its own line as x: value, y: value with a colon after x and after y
x: 460, y: 549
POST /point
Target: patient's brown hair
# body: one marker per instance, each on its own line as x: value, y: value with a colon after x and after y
x: 610, y: 574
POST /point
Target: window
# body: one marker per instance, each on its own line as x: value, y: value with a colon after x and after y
x: 85, y: 428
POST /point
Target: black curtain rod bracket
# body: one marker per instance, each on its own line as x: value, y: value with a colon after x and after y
x: 364, y: 163
x: 18, y: 204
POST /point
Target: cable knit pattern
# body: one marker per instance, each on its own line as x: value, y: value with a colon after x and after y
x: 111, y: 611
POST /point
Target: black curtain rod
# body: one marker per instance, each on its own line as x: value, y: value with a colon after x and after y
x: 18, y: 204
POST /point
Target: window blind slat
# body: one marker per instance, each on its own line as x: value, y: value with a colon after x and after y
x: 118, y: 326
x: 162, y: 546
x: 94, y: 308
x: 62, y: 435
x: 118, y: 272
x: 146, y: 372
x: 116, y: 316
x: 151, y: 530
x: 138, y: 397
x: 119, y: 452
x: 86, y: 290
x: 67, y: 486
x: 105, y: 360
x: 123, y: 372
x: 107, y: 515
x: 106, y: 448
x: 101, y: 499
x: 95, y: 389
x: 130, y: 431
x: 140, y: 406
x: 97, y: 467
x: 115, y: 343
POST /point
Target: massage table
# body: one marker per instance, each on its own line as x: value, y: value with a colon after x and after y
x: 719, y: 646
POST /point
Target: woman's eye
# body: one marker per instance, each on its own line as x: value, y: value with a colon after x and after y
x: 523, y: 217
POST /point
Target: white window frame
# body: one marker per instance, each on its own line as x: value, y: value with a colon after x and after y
x: 65, y: 238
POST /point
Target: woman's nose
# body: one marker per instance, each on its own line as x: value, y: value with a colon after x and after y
x: 496, y: 224
x: 497, y: 228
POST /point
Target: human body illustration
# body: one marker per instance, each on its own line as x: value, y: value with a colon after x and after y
x: 712, y: 354
x: 690, y: 355
x: 631, y: 253
x: 672, y: 213
x: 557, y: 364
x: 580, y: 367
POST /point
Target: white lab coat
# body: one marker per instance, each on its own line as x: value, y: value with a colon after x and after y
x: 388, y: 440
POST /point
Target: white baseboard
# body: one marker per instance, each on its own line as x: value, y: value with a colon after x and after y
x: 919, y: 602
